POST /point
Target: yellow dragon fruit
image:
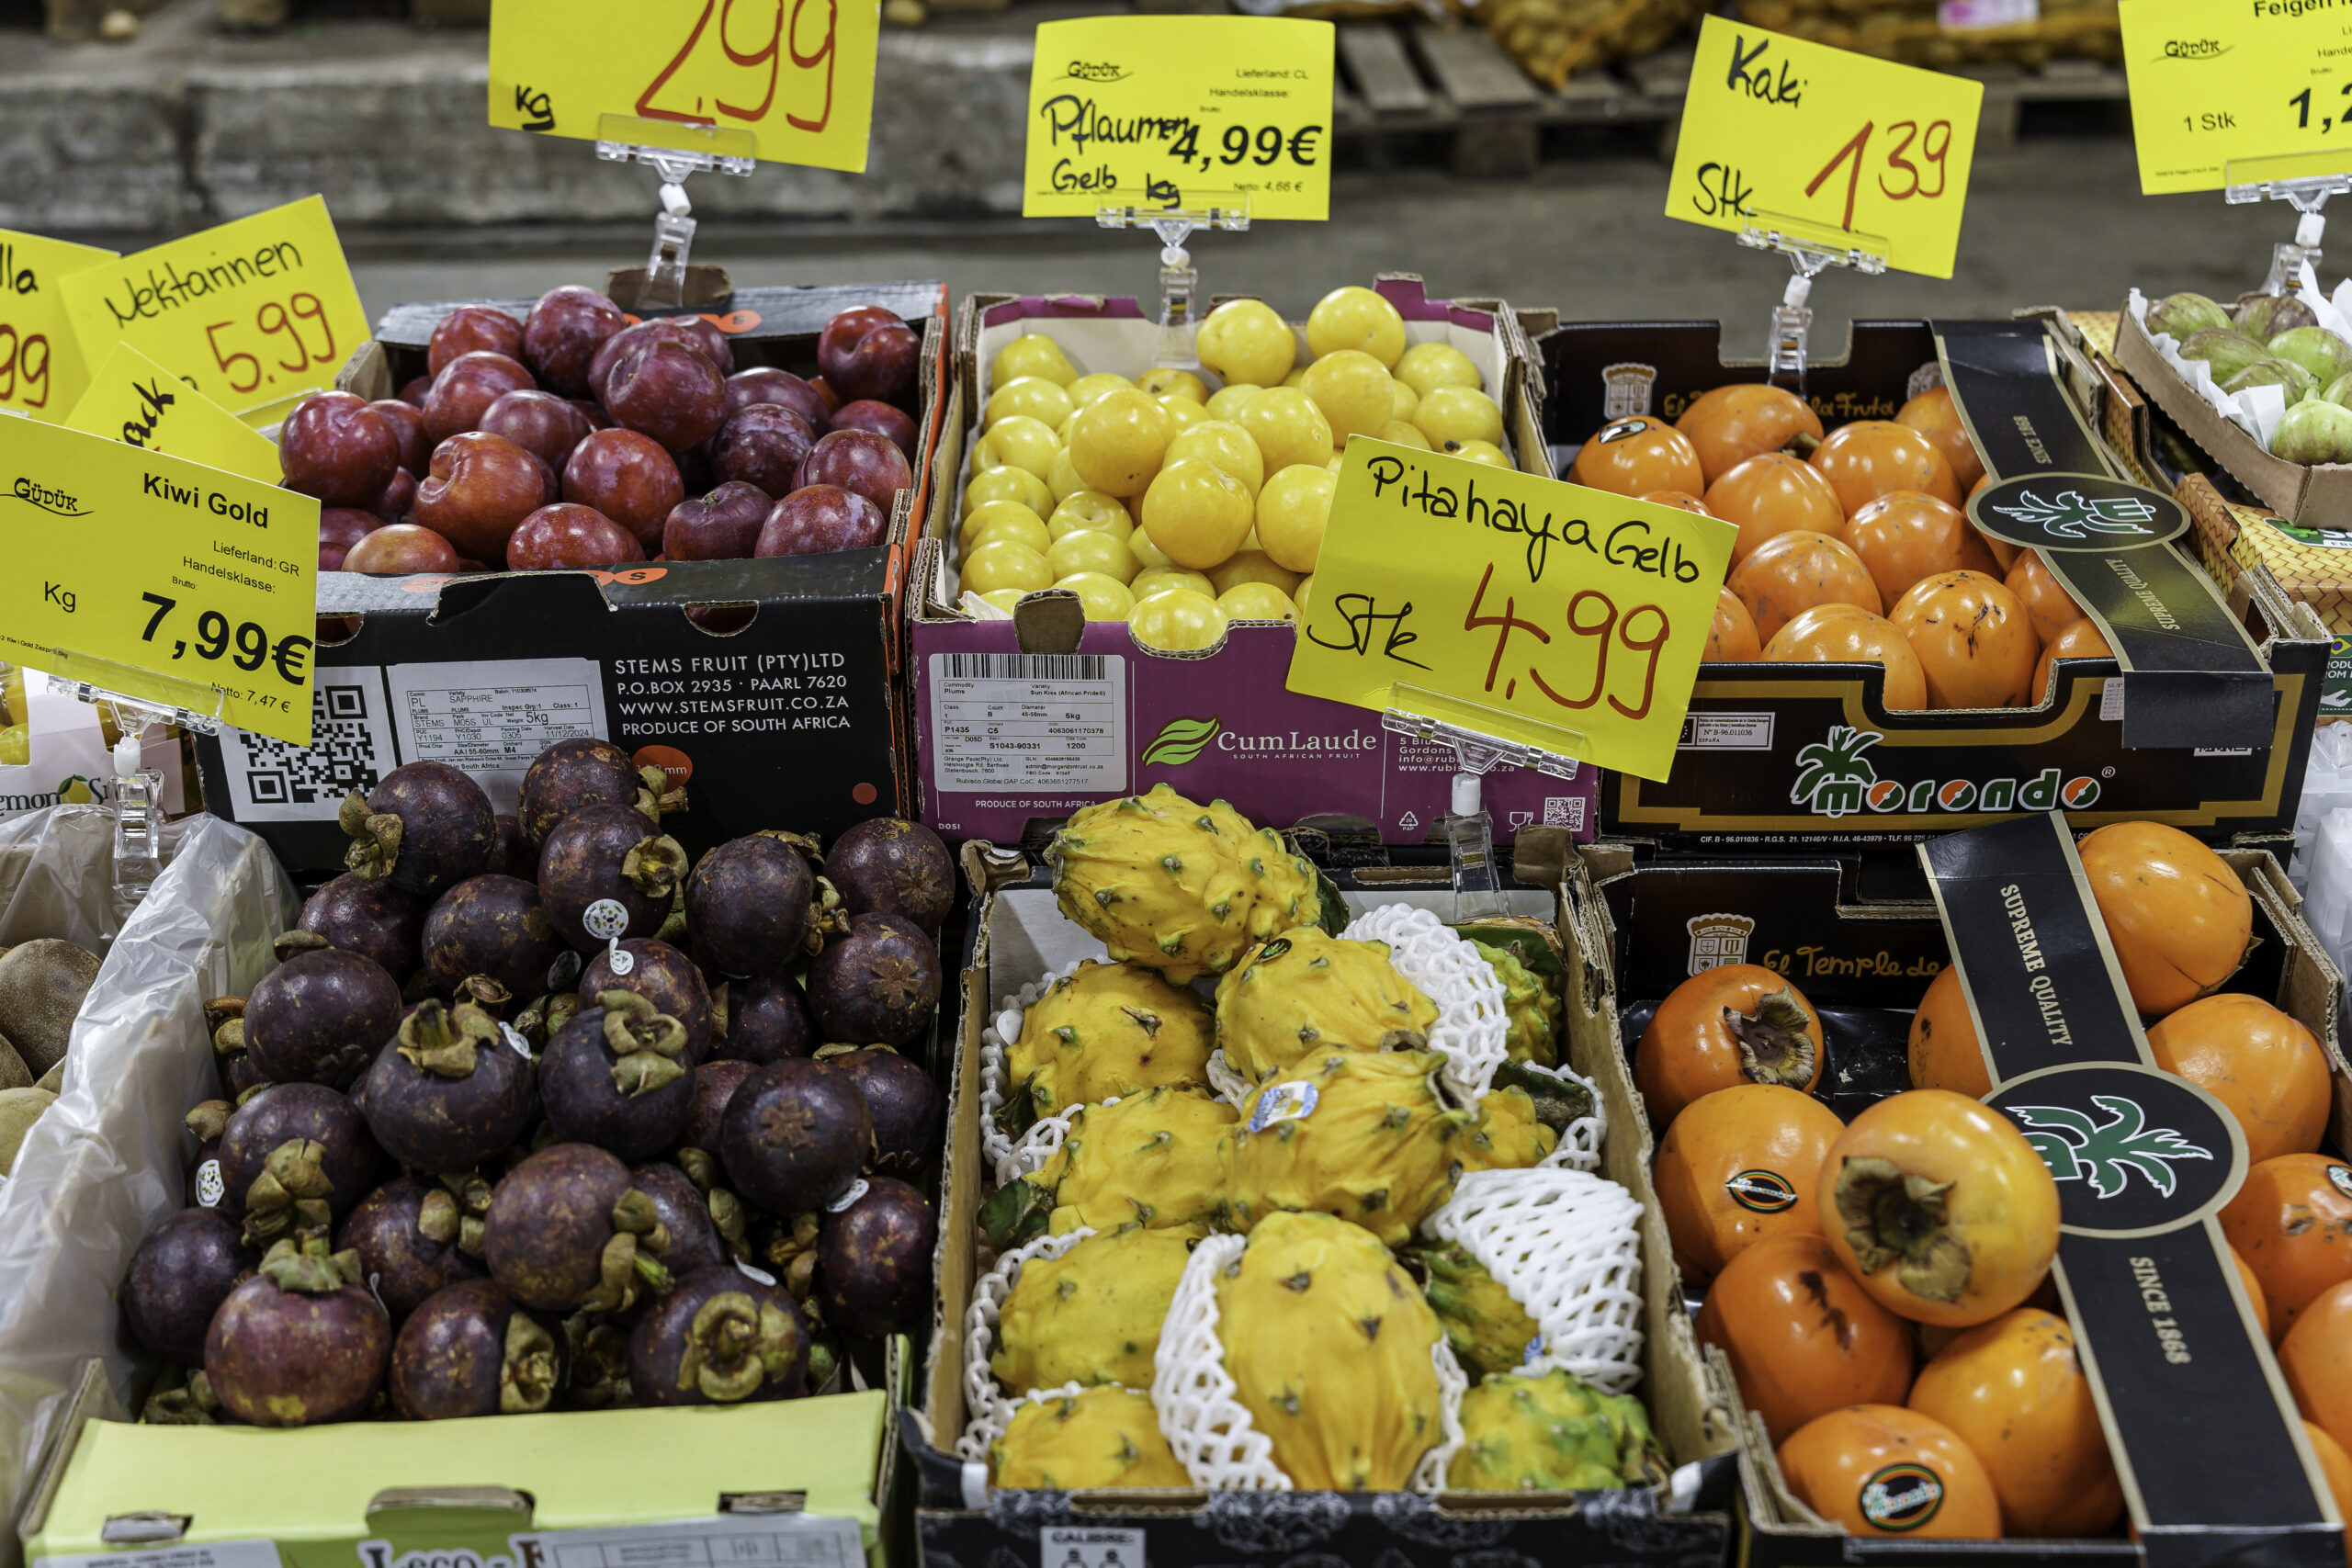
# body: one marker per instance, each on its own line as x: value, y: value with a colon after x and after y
x: 1328, y: 1343
x: 1365, y: 1137
x: 1485, y: 1324
x: 1289, y: 893
x: 1155, y: 1159
x: 1530, y: 1004
x: 1508, y: 1136
x: 1091, y: 1315
x: 1554, y: 1433
x: 1102, y: 1031
x: 1102, y: 1438
x: 1305, y: 993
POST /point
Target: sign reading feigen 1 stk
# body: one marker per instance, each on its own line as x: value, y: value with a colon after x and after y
x: 2265, y: 86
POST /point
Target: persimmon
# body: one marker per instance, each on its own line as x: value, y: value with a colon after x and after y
x: 2081, y: 641
x: 1880, y: 1470
x: 1974, y: 642
x: 1740, y: 1165
x: 1636, y: 454
x: 1732, y: 1024
x: 2268, y: 1069
x: 2291, y: 1223
x: 1906, y: 535
x: 1678, y: 498
x: 2335, y: 1466
x: 1842, y: 633
x: 2315, y: 1358
x: 1731, y: 638
x: 1774, y: 493
x: 2044, y: 597
x: 2014, y: 1391
x: 1934, y: 416
x: 1941, y: 1208
x: 2180, y: 920
x: 1802, y: 1337
x: 1790, y: 573
x: 2255, y: 1300
x: 1732, y: 423
x: 2002, y: 551
x: 1945, y: 1050
x: 1872, y: 457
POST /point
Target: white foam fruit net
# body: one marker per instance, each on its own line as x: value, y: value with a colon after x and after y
x: 1579, y: 1145
x: 1003, y: 1031
x: 1566, y: 1245
x: 1472, y: 1026
x: 988, y: 1406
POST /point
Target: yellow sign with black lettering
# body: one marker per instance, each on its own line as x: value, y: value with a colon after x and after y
x: 1181, y: 112
x: 137, y: 402
x: 2237, y: 95
x: 174, y: 572
x: 1512, y: 606
x: 1824, y: 145
x: 257, y: 314
x: 42, y: 370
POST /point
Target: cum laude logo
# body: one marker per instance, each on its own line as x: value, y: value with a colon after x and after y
x: 1836, y: 778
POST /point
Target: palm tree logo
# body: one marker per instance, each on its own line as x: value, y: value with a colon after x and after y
x: 1833, y: 777
x: 2077, y: 1149
x: 2071, y: 513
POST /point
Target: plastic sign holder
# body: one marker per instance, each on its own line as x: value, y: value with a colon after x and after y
x: 731, y: 153
x: 138, y: 790
x: 1179, y: 279
x: 2290, y: 179
x: 1811, y: 251
x: 1469, y: 828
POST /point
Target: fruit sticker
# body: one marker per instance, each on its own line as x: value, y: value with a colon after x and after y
x: 1291, y: 1102
x: 1763, y: 1191
x: 1902, y: 1497
x: 42, y: 367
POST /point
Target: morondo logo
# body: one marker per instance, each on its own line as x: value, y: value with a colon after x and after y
x: 1902, y: 1497
x: 1762, y: 1192
x: 1834, y: 778
x: 2068, y: 514
x: 2105, y: 1154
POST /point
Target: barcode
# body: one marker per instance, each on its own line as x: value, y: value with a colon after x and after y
x: 1021, y: 667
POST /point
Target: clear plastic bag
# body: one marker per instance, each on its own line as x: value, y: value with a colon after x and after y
x: 2327, y: 897
x: 2328, y: 786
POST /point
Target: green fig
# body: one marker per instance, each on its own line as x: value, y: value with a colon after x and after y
x: 2339, y: 391
x: 2224, y: 353
x: 2314, y: 431
x: 2264, y: 316
x: 2181, y: 314
x: 2317, y: 349
x: 2297, y: 382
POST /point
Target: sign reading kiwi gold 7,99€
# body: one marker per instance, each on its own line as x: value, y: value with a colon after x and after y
x: 1516, y: 607
x: 1824, y: 145
x: 1181, y: 112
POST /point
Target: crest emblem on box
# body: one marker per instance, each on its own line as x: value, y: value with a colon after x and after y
x: 1717, y: 939
x: 1625, y: 389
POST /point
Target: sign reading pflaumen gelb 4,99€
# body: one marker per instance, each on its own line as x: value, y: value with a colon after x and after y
x: 1512, y: 606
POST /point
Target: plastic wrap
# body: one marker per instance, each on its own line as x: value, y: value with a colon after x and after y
x: 103, y: 1166
x: 2327, y: 788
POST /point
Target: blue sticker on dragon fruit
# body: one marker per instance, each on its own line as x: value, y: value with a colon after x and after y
x: 1283, y: 1103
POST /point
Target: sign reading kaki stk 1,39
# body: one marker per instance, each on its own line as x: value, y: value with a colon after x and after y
x: 2254, y: 83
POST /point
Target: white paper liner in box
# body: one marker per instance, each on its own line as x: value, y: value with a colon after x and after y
x: 1566, y: 1246
x: 991, y: 1408
x: 1200, y: 1413
x: 1472, y: 1028
x: 1003, y: 1031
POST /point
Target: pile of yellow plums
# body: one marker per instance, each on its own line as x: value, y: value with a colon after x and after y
x: 1177, y: 507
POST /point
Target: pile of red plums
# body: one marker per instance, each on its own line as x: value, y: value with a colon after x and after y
x: 573, y: 438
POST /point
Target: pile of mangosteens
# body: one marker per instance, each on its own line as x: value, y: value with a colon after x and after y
x: 574, y: 438
x: 532, y: 1115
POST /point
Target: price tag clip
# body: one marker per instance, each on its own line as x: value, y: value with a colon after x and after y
x: 138, y: 802
x: 731, y: 153
x: 1809, y: 255
x: 1469, y: 830
x: 1179, y: 280
x: 2286, y: 179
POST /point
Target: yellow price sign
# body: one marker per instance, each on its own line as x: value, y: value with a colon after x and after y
x: 783, y: 81
x: 2266, y: 85
x: 135, y: 401
x: 1512, y: 605
x: 42, y: 371
x: 1186, y: 112
x: 255, y: 314
x: 1824, y: 145
x: 176, y: 572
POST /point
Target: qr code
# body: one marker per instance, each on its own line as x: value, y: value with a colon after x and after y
x: 350, y: 749
x: 1564, y: 811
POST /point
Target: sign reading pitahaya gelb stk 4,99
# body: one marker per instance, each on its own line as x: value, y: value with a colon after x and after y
x: 1512, y: 606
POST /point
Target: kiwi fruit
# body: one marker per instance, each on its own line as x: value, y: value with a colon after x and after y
x: 19, y: 1109
x: 14, y: 1073
x: 53, y: 1081
x: 41, y: 986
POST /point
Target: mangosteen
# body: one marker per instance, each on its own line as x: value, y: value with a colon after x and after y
x: 425, y: 829
x: 766, y: 1019
x: 300, y: 1344
x: 448, y: 1093
x: 566, y: 1231
x: 599, y: 1362
x: 715, y: 1085
x: 684, y: 1213
x: 794, y: 1136
x: 292, y: 1157
x: 722, y: 1337
x: 545, y: 1017
x: 513, y: 856
x: 909, y: 1113
x: 321, y: 1017
x: 748, y: 905
x: 610, y: 862
x: 372, y: 918
x: 877, y: 986
x: 206, y: 1186
x: 663, y: 976
x: 411, y: 1236
x: 225, y: 1017
x: 575, y: 775
x: 180, y: 1275
x: 887, y: 867
x: 616, y: 1077
x: 788, y: 1246
x: 468, y: 1350
x: 493, y: 926
x: 874, y: 1260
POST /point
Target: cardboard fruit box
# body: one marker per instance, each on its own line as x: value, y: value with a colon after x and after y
x: 782, y: 710
x: 1021, y: 721
x: 1778, y: 755
x: 1016, y: 936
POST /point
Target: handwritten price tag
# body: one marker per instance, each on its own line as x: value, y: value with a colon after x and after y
x: 42, y: 371
x: 159, y: 565
x: 2213, y: 84
x: 255, y: 314
x: 137, y: 402
x: 784, y: 81
x: 1821, y: 145
x: 1180, y: 112
x: 1519, y: 607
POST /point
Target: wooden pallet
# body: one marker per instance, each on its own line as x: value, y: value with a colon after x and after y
x: 2009, y: 88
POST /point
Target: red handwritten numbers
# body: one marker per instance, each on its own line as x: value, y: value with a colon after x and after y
x: 768, y: 54
x: 1903, y: 132
x: 24, y: 367
x: 275, y: 319
x: 1591, y: 615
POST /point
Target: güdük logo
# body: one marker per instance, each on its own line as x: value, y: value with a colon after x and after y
x: 1902, y: 1497
x: 1181, y: 740
x: 1762, y: 1192
x: 1094, y: 71
x: 2135, y: 1151
x: 2075, y: 512
x: 56, y: 501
